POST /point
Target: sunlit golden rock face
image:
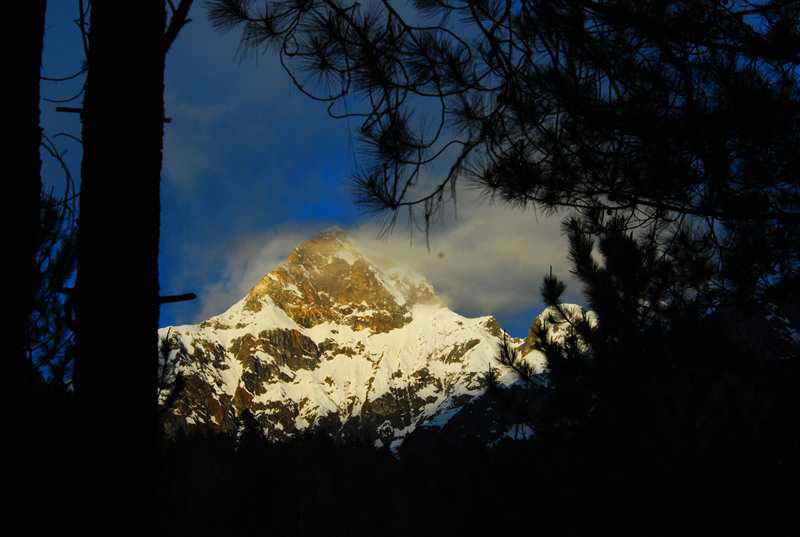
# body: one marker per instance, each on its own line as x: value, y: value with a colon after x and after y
x: 326, y: 279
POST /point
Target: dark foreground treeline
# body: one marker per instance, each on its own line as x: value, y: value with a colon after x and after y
x: 649, y: 469
x: 313, y: 485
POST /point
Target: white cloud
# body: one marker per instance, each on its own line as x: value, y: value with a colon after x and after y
x: 490, y: 260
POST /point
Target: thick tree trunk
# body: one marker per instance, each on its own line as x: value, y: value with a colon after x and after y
x: 23, y: 184
x: 117, y: 288
x: 24, y: 209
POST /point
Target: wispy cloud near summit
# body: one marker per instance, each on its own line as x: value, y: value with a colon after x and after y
x: 489, y: 261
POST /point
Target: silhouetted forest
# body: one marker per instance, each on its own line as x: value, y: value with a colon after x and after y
x: 667, y: 132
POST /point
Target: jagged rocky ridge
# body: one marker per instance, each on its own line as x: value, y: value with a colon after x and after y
x: 329, y: 340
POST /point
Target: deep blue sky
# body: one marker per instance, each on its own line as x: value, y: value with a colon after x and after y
x: 249, y: 160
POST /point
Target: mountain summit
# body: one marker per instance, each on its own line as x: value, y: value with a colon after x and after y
x: 327, y: 339
x: 326, y: 279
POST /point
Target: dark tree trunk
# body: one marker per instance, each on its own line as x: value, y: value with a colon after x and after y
x: 23, y: 186
x: 117, y: 305
x: 24, y: 209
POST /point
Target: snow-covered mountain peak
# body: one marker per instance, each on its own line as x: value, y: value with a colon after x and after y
x: 329, y: 339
